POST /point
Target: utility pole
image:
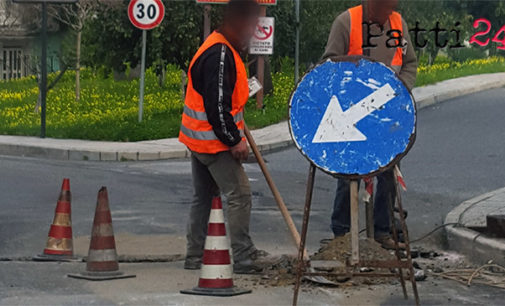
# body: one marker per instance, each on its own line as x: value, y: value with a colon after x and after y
x: 297, y: 43
x: 43, y: 54
x: 43, y: 71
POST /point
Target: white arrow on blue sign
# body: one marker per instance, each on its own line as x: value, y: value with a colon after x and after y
x: 352, y: 118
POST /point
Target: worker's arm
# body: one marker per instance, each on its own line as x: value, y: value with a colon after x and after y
x: 338, y: 40
x: 408, y: 72
x: 214, y: 78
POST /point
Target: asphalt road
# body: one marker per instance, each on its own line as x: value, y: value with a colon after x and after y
x: 459, y: 154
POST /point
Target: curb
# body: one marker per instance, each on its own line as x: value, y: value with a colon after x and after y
x: 268, y: 139
x: 81, y: 150
x: 433, y: 94
x: 479, y: 249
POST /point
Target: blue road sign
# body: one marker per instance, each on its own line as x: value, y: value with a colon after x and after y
x: 352, y: 119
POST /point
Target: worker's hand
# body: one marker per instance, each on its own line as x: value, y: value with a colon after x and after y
x: 240, y: 151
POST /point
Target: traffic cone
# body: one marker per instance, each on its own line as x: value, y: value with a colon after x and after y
x: 217, y: 269
x: 102, y: 263
x: 59, y: 246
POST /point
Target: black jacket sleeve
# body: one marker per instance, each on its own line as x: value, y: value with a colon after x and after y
x: 214, y: 76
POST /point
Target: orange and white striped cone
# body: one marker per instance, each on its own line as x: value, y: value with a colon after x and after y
x: 102, y: 263
x: 217, y: 269
x: 59, y: 246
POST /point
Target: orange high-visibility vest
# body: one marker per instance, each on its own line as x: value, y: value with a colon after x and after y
x: 356, y: 35
x: 196, y: 132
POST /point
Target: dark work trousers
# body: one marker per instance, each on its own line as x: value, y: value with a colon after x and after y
x: 213, y: 174
x: 385, y: 194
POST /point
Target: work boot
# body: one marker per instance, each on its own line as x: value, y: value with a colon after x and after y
x: 193, y: 263
x: 256, y: 263
x: 389, y: 244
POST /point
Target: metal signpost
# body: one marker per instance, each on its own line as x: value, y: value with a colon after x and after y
x: 353, y: 119
x: 267, y: 47
x: 263, y: 40
x: 262, y: 44
x: 207, y: 9
x: 145, y: 15
x: 43, y: 59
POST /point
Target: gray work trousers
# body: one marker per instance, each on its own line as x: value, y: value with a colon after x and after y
x: 213, y: 174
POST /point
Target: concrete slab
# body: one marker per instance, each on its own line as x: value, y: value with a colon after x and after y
x: 28, y: 283
x: 138, y: 246
x: 108, y: 156
x: 149, y: 156
x: 127, y: 156
x: 83, y: 155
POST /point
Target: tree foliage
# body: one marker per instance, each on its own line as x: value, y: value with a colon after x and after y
x: 114, y: 42
x: 111, y: 41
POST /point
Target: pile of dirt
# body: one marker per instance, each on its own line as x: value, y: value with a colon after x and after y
x: 339, y: 249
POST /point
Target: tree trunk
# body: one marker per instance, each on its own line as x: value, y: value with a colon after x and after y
x: 162, y: 75
x: 49, y: 87
x: 37, y: 105
x: 433, y: 56
x: 78, y: 66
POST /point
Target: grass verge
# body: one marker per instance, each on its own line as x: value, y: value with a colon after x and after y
x: 108, y: 109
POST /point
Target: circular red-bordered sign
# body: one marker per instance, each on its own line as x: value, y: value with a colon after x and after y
x: 146, y: 14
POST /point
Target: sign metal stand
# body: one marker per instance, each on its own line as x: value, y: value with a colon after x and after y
x: 353, y: 267
x: 142, y: 75
x: 365, y: 138
x: 145, y: 15
x: 261, y: 70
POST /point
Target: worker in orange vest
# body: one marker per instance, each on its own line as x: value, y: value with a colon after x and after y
x: 385, y: 38
x: 213, y: 130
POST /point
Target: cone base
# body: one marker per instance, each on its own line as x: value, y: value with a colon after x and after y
x: 50, y: 257
x: 101, y: 276
x: 216, y: 291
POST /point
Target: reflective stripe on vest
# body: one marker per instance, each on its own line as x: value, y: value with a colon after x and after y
x: 356, y: 35
x: 206, y: 135
x: 196, y: 132
x: 203, y: 115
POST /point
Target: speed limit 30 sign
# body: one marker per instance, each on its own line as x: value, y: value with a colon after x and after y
x: 146, y: 14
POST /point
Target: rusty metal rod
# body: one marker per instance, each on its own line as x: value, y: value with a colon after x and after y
x: 305, y: 225
x: 370, y: 231
x: 397, y: 245
x: 354, y: 222
x: 405, y: 236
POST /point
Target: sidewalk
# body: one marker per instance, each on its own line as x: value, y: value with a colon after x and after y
x: 471, y: 215
x: 269, y: 138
